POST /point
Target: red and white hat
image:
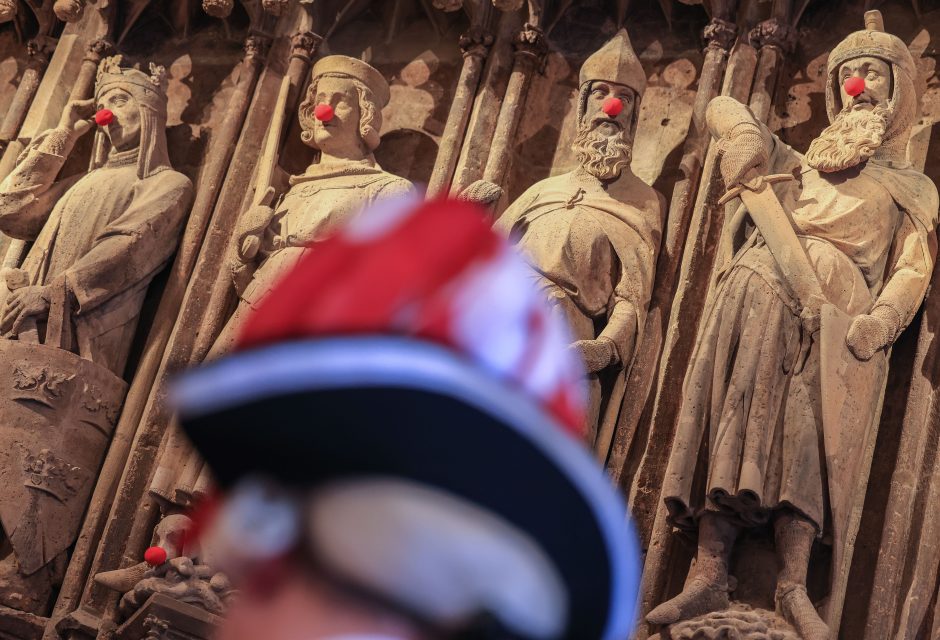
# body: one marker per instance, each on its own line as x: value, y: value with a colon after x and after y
x: 413, y: 345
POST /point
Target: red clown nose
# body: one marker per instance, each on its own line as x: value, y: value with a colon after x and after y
x: 612, y: 107
x: 854, y: 86
x: 104, y: 117
x: 155, y: 556
x: 323, y: 112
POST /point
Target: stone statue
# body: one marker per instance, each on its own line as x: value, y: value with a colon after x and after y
x: 592, y: 235
x: 341, y: 117
x: 811, y: 298
x: 71, y: 309
x: 183, y: 575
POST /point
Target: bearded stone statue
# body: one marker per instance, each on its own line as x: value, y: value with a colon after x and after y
x: 592, y: 235
x: 754, y: 444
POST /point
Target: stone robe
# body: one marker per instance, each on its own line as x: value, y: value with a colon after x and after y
x: 107, y: 232
x: 593, y: 254
x: 749, y: 436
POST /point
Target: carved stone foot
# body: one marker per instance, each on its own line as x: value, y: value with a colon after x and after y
x: 698, y: 598
x: 25, y: 593
x: 794, y: 605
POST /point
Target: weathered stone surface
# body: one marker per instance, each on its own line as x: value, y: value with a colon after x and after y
x: 477, y: 90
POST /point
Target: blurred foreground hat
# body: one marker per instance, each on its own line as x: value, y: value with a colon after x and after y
x: 412, y: 346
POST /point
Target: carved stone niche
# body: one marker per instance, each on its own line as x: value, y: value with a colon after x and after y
x: 164, y: 618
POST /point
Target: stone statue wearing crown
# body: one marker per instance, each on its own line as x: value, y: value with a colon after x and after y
x: 592, y: 235
x: 70, y: 310
x: 826, y: 261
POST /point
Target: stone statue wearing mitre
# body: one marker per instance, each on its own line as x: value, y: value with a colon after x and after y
x: 70, y: 311
x: 592, y: 235
x: 340, y: 116
x: 828, y: 258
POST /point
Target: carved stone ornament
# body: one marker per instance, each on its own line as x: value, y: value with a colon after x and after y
x: 598, y: 219
x: 791, y: 357
x: 218, y: 8
x: 773, y: 33
x: 720, y: 33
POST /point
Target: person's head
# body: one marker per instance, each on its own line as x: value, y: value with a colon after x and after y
x: 138, y: 101
x: 870, y: 99
x: 612, y: 83
x: 341, y: 114
x: 445, y: 359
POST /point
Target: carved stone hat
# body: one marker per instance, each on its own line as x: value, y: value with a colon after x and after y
x: 616, y: 62
x: 344, y: 66
x: 411, y: 346
x: 874, y: 42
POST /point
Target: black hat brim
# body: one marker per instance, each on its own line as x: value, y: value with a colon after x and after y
x: 308, y: 412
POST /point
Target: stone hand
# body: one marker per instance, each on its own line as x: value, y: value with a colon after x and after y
x: 250, y: 230
x: 22, y: 304
x: 596, y: 354
x: 76, y: 117
x: 870, y: 333
x: 741, y: 154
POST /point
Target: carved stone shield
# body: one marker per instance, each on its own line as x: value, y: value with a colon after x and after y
x: 57, y: 414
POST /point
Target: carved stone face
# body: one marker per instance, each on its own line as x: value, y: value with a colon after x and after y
x: 338, y: 136
x: 124, y: 130
x: 600, y: 91
x: 877, y: 76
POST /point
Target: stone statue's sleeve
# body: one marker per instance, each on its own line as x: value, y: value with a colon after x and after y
x: 135, y: 245
x: 30, y: 192
x: 631, y: 299
x: 909, y: 271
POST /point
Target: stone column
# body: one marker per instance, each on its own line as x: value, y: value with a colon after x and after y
x: 38, y: 50
x: 720, y: 35
x: 530, y: 50
x: 474, y: 45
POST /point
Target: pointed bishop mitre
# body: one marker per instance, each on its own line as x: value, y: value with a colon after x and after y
x: 148, y: 88
x: 615, y: 62
x: 873, y: 42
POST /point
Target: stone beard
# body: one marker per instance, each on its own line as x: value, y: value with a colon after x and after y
x: 602, y: 148
x: 852, y: 138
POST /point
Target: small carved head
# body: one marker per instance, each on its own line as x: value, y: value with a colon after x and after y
x: 356, y: 118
